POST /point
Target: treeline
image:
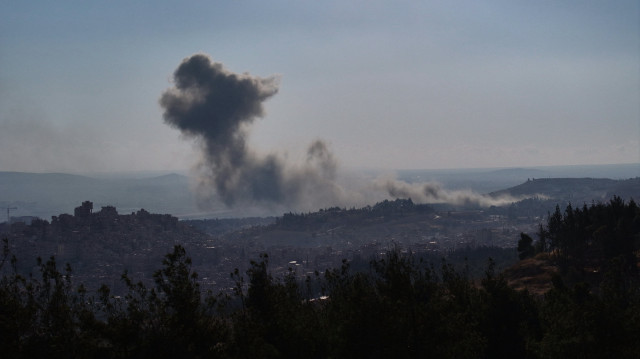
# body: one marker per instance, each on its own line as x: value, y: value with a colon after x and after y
x: 385, y: 210
x: 586, y: 242
x: 400, y: 307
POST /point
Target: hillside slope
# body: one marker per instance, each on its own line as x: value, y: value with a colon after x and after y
x: 532, y: 274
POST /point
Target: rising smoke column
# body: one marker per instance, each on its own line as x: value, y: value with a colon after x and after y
x: 216, y: 108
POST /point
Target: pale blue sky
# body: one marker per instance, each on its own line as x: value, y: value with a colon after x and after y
x: 388, y: 84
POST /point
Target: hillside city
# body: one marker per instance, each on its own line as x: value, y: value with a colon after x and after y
x: 101, y: 244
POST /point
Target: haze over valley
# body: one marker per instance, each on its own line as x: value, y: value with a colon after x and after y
x: 47, y: 194
x: 130, y: 223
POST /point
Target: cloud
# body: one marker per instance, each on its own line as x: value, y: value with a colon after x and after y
x: 41, y: 146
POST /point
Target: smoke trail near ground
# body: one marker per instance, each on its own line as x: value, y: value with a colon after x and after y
x: 216, y: 108
x: 432, y: 192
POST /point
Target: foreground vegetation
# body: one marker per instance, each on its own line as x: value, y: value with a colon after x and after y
x: 399, y: 307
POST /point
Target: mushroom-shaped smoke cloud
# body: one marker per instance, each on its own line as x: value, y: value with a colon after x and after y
x: 216, y: 107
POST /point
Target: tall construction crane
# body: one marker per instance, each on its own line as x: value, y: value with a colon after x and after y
x: 8, y: 214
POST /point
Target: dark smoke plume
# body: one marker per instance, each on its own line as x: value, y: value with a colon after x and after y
x: 216, y: 107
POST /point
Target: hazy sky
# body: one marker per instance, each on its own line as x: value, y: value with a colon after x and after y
x: 386, y: 84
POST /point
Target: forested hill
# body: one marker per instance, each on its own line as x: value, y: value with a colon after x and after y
x: 575, y: 190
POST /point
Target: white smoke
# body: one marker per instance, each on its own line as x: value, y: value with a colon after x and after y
x: 433, y: 192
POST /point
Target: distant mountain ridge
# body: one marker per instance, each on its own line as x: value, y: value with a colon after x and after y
x: 575, y: 190
x: 47, y: 194
x: 486, y: 180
